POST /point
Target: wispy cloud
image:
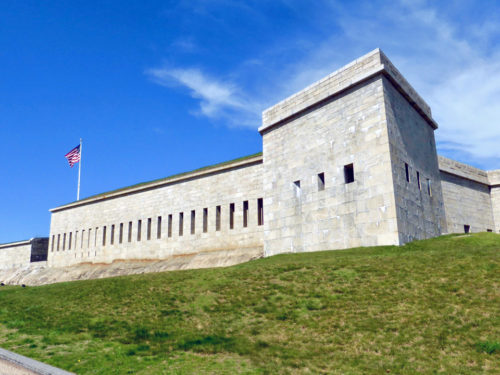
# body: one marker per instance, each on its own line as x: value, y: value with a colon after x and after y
x: 217, y: 99
x: 450, y: 57
x: 452, y: 68
x: 461, y: 82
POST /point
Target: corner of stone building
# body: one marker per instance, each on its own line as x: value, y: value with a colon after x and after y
x: 494, y: 180
x: 415, y: 177
x: 393, y: 237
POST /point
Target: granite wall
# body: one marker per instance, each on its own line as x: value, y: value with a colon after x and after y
x: 467, y: 199
x: 15, y: 254
x: 213, y: 210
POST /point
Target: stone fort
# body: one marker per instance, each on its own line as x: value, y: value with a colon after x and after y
x: 349, y: 161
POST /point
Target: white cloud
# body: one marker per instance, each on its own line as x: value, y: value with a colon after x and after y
x: 217, y: 99
x: 448, y: 63
x: 462, y: 86
x: 453, y: 62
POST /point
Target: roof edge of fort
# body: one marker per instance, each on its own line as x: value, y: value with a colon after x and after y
x: 198, y: 173
x: 358, y: 71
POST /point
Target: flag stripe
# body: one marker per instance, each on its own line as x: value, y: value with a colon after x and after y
x: 73, y: 156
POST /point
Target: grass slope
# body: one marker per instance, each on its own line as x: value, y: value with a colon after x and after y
x: 430, y: 307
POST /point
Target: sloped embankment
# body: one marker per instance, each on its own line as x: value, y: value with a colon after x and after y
x: 36, y: 274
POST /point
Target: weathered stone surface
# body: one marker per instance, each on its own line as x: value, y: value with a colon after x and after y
x: 15, y: 254
x: 40, y: 274
x: 86, y: 223
x: 365, y: 118
x: 348, y: 129
x: 419, y: 199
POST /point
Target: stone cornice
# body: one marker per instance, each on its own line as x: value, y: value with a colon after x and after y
x: 221, y: 168
x: 371, y: 65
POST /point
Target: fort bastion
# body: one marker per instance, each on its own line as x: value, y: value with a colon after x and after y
x: 349, y: 161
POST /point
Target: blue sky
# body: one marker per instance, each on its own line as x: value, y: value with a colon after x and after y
x: 160, y: 87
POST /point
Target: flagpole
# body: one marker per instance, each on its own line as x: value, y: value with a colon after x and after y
x: 79, y: 172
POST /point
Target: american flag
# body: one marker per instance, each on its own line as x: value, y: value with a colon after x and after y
x: 73, y: 156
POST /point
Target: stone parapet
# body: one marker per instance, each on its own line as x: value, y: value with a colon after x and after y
x: 183, y: 177
x: 15, y: 254
x: 463, y: 170
x: 494, y: 177
x: 358, y: 71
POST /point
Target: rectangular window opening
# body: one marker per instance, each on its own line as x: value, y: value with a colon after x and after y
x: 148, y: 236
x: 58, y: 241
x: 321, y: 181
x: 81, y: 241
x: 120, y: 234
x: 466, y: 228
x: 139, y: 229
x: 64, y: 242
x: 88, y: 239
x: 245, y: 214
x: 76, y: 240
x: 418, y: 181
x: 181, y: 223
x: 296, y: 185
x: 429, y: 188
x: 169, y: 226
x: 53, y: 240
x: 349, y: 173
x: 69, y: 240
x: 129, y: 231
x: 217, y: 218
x: 205, y: 220
x: 104, y: 236
x: 231, y: 216
x: 407, y: 171
x: 95, y: 236
x: 158, y: 228
x: 112, y: 234
x: 193, y: 221
x: 260, y: 211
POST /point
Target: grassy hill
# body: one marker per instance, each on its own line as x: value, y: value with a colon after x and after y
x: 430, y: 307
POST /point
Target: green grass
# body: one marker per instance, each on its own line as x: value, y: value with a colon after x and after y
x: 430, y: 307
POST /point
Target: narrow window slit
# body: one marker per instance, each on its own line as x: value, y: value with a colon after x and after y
x: 149, y: 229
x: 260, y: 211
x: 205, y: 220
x: 349, y: 173
x: 245, y: 214
x: 193, y: 221
x: 181, y: 223
x: 231, y: 216
x: 169, y: 225
x: 296, y: 185
x: 217, y: 218
x: 321, y: 181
